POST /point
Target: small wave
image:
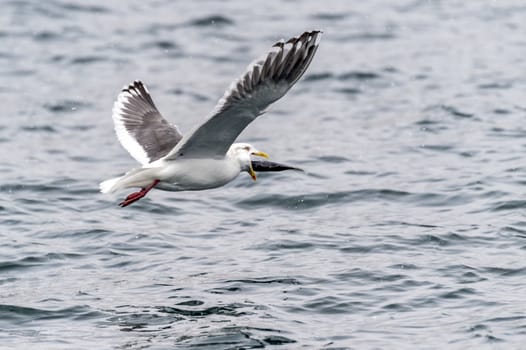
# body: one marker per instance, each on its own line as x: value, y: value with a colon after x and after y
x: 16, y: 315
x: 499, y: 86
x: 501, y: 111
x: 266, y: 280
x: 147, y: 320
x: 369, y: 36
x: 46, y: 35
x: 225, y: 310
x: 191, y: 303
x: 17, y: 187
x: 348, y: 91
x: 359, y: 172
x: 357, y: 75
x: 89, y: 59
x: 84, y: 8
x: 367, y: 276
x: 515, y: 231
x: 65, y: 106
x: 507, y: 319
x: 451, y: 110
x: 194, y: 95
x: 162, y: 45
x: 508, y: 205
x: 439, y: 148
x: 449, y: 239
x: 236, y: 337
x: 23, y: 72
x: 333, y: 159
x: 32, y: 261
x: 505, y: 272
x: 318, y: 76
x: 332, y: 305
x: 286, y: 245
x: 457, y: 113
x: 39, y: 128
x: 508, y: 133
x: 214, y: 20
x: 459, y: 293
x: 329, y: 16
x: 277, y: 340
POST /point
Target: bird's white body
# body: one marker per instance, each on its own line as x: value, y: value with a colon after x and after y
x: 181, y: 175
x: 198, y: 174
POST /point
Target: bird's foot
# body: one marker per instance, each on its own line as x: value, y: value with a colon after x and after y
x: 135, y: 196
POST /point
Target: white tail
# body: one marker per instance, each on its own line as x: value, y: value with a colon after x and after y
x: 108, y: 186
x: 139, y: 177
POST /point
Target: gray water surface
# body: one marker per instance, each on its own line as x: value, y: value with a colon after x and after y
x: 407, y: 229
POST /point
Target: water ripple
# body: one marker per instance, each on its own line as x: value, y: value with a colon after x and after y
x: 409, y: 222
x: 214, y: 20
x: 17, y: 315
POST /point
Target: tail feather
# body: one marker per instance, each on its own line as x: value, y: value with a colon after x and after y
x: 139, y: 177
x: 109, y: 186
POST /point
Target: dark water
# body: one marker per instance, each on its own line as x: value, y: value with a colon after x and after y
x: 407, y: 230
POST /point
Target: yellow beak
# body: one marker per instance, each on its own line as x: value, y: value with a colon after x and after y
x: 261, y: 154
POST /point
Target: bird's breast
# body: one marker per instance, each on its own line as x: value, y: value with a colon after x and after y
x: 198, y: 174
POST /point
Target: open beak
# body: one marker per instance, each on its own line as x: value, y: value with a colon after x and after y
x: 251, y: 169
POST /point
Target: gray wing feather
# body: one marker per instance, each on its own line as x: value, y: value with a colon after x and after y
x: 139, y: 126
x: 265, y: 81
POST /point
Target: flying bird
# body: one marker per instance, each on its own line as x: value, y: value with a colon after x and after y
x: 207, y: 157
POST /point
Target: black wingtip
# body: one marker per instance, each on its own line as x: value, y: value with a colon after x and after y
x: 302, y: 36
x: 137, y: 84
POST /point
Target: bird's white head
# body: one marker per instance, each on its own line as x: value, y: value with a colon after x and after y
x: 242, y: 152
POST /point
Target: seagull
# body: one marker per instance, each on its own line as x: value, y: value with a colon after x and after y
x: 207, y: 157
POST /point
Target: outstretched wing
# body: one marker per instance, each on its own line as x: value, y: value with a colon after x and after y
x: 265, y: 81
x: 139, y: 126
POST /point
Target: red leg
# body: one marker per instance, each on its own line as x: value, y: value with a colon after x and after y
x: 135, y: 196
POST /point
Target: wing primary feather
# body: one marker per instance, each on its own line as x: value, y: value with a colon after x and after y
x: 247, y: 83
x: 144, y: 92
x: 268, y: 62
x: 277, y: 61
x: 297, y: 58
x: 255, y: 75
x: 287, y: 57
x: 301, y: 68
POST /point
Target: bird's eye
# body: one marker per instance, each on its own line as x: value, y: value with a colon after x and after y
x: 246, y: 148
